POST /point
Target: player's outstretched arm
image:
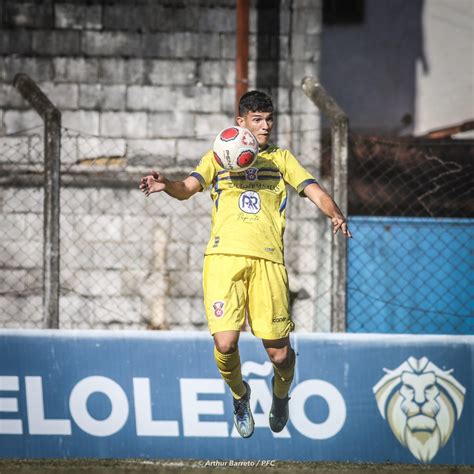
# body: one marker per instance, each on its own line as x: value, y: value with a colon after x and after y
x: 157, y: 182
x: 326, y: 203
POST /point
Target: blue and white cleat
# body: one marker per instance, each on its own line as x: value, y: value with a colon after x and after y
x: 243, y: 419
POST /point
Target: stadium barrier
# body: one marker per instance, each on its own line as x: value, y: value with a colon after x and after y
x: 134, y: 394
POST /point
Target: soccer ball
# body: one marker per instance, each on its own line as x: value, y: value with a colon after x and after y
x: 235, y: 149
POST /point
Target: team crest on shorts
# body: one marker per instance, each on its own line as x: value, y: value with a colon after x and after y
x: 218, y: 309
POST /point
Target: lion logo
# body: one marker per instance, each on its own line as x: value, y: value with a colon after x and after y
x: 421, y: 403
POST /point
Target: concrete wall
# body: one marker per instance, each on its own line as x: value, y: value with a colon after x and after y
x: 406, y: 68
x: 156, y: 71
x: 140, y: 84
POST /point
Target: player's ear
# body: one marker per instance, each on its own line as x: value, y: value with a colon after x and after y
x: 240, y: 121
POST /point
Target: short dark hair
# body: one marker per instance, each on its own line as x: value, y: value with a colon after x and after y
x: 255, y: 101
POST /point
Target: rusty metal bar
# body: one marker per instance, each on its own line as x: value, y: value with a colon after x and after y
x: 339, y: 139
x: 242, y: 51
x: 52, y: 169
x: 447, y: 132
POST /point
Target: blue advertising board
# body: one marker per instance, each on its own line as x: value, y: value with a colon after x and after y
x: 102, y: 394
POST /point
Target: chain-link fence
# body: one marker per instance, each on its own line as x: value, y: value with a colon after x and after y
x: 104, y: 256
x: 126, y: 261
x: 21, y: 225
x: 412, y: 213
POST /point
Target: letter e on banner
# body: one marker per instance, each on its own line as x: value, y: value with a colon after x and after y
x: 9, y: 383
x: 192, y: 407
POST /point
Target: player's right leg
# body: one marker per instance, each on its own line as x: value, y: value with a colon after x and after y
x: 225, y: 301
x: 226, y: 354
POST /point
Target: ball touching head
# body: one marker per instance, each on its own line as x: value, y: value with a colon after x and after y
x: 235, y: 149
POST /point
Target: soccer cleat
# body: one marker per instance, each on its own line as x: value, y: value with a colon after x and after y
x: 279, y: 412
x: 243, y: 419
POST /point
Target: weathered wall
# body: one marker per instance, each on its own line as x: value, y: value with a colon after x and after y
x: 160, y: 74
x: 405, y: 68
x: 141, y: 84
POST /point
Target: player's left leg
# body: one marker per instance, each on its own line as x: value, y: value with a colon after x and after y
x: 270, y: 321
x: 283, y: 359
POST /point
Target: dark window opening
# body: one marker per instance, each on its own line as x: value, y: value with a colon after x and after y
x: 337, y: 12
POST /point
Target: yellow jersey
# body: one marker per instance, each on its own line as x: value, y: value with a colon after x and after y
x: 248, y: 216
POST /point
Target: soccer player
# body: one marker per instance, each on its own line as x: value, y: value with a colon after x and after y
x: 244, y: 272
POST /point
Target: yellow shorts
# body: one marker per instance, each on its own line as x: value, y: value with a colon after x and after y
x: 236, y: 285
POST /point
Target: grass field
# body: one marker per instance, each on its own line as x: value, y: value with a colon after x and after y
x: 105, y: 466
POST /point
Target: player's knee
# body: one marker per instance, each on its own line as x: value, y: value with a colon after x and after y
x: 226, y: 346
x: 281, y: 357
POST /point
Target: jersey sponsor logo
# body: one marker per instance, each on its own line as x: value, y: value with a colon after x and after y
x: 279, y: 319
x: 249, y: 202
x: 218, y: 307
x: 251, y: 174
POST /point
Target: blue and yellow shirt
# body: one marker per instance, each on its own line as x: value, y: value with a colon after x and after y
x: 248, y: 216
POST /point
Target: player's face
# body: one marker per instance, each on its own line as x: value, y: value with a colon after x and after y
x: 260, y: 124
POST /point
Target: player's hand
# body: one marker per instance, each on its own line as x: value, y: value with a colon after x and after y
x: 153, y: 183
x: 339, y: 223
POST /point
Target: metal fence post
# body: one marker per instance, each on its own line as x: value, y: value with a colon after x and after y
x: 52, y: 163
x: 339, y: 138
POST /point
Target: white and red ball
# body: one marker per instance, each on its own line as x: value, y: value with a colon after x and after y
x: 235, y: 149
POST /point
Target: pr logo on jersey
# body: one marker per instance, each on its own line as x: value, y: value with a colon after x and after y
x: 251, y: 174
x: 218, y: 309
x: 249, y: 202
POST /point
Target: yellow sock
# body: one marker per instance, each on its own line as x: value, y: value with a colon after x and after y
x: 229, y: 367
x: 284, y: 377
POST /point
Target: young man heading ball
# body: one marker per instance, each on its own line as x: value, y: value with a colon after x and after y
x: 244, y: 271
